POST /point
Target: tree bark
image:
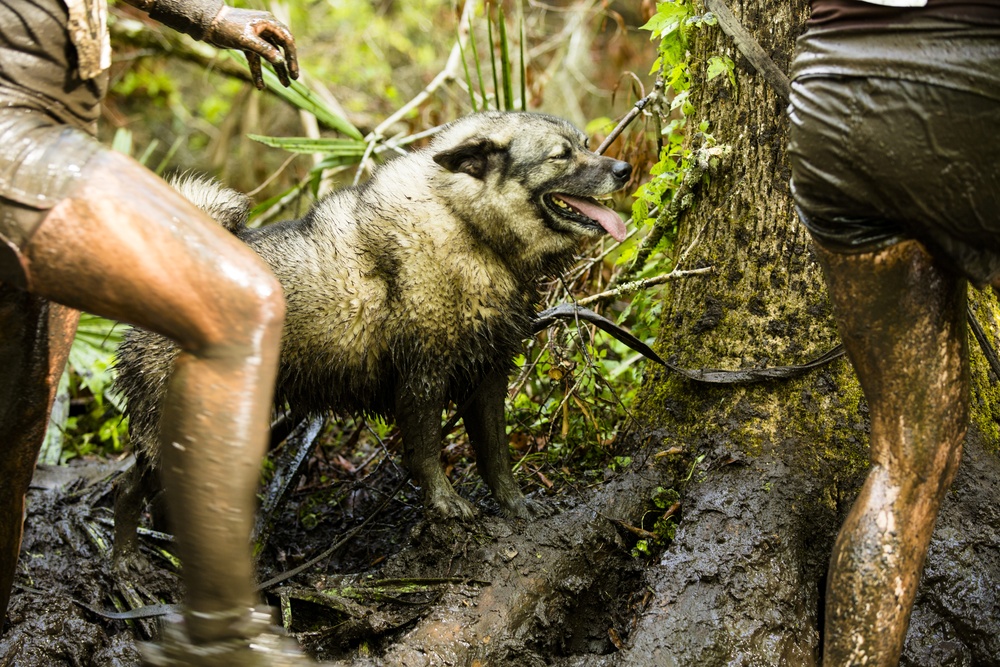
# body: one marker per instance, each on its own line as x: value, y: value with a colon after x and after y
x: 743, y: 582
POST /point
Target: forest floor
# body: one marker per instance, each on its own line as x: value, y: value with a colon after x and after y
x: 740, y: 584
x: 401, y: 591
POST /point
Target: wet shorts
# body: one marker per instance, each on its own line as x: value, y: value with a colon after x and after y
x: 41, y: 161
x: 895, y: 134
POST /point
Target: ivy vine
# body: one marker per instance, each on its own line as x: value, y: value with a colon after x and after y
x: 688, y: 150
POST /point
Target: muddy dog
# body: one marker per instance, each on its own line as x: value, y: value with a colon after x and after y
x: 416, y: 288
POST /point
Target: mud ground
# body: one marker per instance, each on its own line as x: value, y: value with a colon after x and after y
x: 401, y: 591
x: 741, y: 583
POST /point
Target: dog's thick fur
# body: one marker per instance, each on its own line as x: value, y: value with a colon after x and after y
x: 416, y: 288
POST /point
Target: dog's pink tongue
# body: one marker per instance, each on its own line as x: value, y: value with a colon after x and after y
x: 604, y: 216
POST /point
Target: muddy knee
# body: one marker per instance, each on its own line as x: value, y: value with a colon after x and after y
x: 246, y: 312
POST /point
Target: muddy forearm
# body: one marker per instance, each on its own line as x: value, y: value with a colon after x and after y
x: 192, y: 17
x: 256, y: 33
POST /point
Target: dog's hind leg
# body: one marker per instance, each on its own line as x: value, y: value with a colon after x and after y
x: 418, y: 415
x: 487, y: 429
x: 138, y: 485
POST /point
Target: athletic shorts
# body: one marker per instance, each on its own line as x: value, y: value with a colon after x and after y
x: 41, y: 162
x: 894, y: 135
x: 47, y: 116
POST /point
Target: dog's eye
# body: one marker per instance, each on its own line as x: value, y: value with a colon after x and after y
x: 561, y: 153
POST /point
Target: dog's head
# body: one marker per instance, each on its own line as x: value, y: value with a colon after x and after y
x: 527, y: 182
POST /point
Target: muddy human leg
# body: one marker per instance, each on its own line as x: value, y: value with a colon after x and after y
x: 35, y: 336
x: 902, y: 320
x: 126, y: 246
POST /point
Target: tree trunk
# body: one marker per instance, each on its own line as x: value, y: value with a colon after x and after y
x: 743, y: 582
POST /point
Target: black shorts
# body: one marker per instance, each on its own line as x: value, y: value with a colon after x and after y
x: 41, y: 162
x: 48, y: 114
x: 895, y: 134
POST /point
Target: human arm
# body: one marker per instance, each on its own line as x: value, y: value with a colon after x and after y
x: 256, y: 33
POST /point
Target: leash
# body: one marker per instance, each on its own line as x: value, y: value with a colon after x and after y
x: 548, y: 317
x: 574, y: 312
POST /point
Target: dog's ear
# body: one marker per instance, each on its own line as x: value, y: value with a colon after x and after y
x: 471, y: 157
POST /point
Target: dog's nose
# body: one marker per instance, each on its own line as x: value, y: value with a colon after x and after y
x: 621, y: 170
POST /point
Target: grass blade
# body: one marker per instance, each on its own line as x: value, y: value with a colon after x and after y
x: 505, y: 71
x: 312, y: 146
x: 468, y: 79
x: 493, y: 58
x: 299, y: 96
x: 524, y: 70
x: 479, y: 68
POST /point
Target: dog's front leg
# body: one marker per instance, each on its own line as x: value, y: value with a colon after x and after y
x: 487, y: 429
x: 418, y: 415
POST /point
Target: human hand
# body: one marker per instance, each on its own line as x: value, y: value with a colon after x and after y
x: 258, y: 34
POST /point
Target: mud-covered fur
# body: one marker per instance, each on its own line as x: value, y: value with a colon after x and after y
x: 415, y: 288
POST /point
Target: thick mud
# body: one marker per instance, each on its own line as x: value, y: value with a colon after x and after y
x: 401, y: 591
x: 741, y: 584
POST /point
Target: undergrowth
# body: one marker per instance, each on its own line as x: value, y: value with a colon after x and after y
x: 573, y: 386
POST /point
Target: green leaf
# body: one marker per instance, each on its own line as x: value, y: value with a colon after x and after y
x: 657, y: 64
x: 51, y: 451
x: 122, y: 141
x: 719, y: 65
x: 311, y: 146
x: 680, y: 99
x: 91, y: 358
x: 299, y: 96
x: 668, y: 18
x: 92, y: 354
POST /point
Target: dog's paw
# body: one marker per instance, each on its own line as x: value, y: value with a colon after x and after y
x: 451, y: 506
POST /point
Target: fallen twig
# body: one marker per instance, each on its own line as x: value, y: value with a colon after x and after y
x: 637, y: 285
x: 284, y: 576
x: 633, y: 113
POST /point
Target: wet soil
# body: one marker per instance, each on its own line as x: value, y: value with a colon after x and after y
x: 741, y: 584
x: 402, y: 591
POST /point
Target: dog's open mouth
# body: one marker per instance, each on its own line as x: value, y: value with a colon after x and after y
x: 587, y: 211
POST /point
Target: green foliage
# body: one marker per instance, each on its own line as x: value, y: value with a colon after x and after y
x: 301, y: 97
x: 672, y: 25
x: 664, y: 530
x: 571, y: 398
x: 87, y: 418
x: 503, y: 75
x: 153, y: 84
x: 374, y: 51
x: 603, y: 374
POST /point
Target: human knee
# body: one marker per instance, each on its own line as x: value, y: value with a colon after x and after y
x: 247, y: 313
x: 925, y: 469
x: 257, y: 310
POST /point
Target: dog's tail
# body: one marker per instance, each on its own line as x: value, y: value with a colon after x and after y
x: 228, y: 207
